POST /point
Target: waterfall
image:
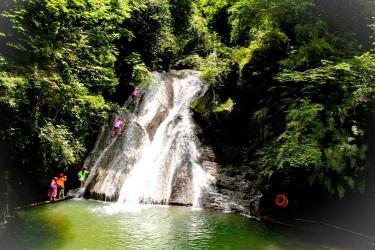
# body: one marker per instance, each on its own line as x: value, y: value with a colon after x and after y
x: 156, y: 160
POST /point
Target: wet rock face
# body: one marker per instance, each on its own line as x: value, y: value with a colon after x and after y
x: 181, y: 191
x: 154, y: 124
x: 231, y: 191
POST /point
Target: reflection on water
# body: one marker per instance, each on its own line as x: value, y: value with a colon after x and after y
x: 82, y: 224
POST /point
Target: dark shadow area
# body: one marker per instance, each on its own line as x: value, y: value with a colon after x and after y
x: 348, y: 15
x: 349, y: 222
x: 333, y: 238
x: 34, y: 232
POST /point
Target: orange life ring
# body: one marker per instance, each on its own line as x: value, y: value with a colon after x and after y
x: 281, y: 200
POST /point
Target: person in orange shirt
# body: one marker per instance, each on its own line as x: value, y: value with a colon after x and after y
x: 61, y: 186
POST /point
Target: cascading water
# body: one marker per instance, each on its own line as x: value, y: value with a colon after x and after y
x: 157, y: 159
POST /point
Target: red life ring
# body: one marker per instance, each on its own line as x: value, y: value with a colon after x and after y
x: 281, y: 200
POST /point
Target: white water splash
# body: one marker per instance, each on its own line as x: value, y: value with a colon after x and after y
x: 201, y: 182
x: 152, y: 176
x: 157, y: 161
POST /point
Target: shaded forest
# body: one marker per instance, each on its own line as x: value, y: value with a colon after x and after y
x: 291, y: 85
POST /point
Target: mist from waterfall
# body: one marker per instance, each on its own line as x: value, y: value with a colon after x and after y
x: 156, y: 160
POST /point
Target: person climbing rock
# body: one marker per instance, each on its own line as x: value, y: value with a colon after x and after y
x: 61, y: 186
x: 136, y: 95
x: 118, y: 126
x: 82, y: 175
x: 52, y: 193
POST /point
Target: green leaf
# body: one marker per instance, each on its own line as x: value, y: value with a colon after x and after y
x: 340, y: 191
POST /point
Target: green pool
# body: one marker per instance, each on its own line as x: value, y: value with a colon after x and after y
x: 86, y: 224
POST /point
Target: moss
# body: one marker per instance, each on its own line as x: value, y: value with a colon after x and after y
x: 225, y: 107
x: 189, y: 62
x: 202, y: 107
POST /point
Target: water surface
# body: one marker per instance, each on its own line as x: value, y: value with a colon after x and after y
x: 85, y: 224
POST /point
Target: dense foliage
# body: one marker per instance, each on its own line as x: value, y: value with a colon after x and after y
x: 291, y: 82
x: 53, y: 80
x: 293, y: 92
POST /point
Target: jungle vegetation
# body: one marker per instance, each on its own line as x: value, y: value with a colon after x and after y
x: 291, y: 83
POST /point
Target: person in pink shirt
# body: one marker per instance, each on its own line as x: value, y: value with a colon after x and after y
x: 117, y: 127
x: 136, y: 95
x: 52, y: 193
